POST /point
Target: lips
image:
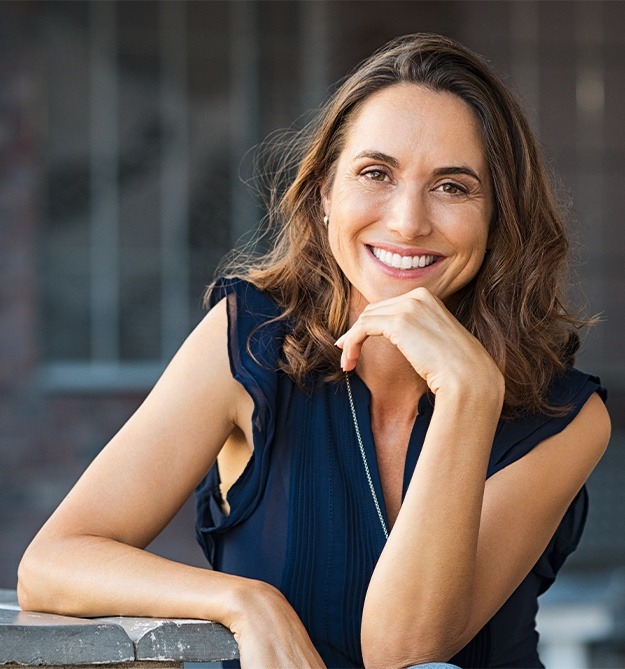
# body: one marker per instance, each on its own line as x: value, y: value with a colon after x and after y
x: 402, y: 261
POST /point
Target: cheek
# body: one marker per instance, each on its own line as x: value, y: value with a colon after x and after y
x: 335, y: 236
x: 347, y: 218
x: 335, y: 244
x: 466, y: 227
x: 353, y: 202
x: 344, y: 248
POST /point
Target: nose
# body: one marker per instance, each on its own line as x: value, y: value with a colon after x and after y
x: 409, y: 215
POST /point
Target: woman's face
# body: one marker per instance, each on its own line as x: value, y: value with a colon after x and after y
x: 410, y: 202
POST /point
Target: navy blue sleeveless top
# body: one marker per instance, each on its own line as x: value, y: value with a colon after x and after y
x: 302, y: 517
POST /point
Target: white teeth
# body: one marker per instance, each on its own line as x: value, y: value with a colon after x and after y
x: 401, y: 262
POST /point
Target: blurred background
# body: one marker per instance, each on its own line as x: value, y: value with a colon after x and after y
x: 125, y: 130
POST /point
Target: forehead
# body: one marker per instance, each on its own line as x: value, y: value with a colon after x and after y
x: 410, y: 120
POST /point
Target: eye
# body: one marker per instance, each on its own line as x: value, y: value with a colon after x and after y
x: 452, y: 188
x: 375, y: 174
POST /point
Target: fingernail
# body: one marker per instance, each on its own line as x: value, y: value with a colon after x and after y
x: 343, y: 360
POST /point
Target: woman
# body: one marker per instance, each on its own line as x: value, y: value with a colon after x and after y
x: 402, y: 494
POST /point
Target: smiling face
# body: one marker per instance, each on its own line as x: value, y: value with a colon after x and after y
x: 410, y: 201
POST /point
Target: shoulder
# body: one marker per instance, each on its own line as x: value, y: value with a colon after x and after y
x: 202, y: 363
x: 580, y: 398
x: 583, y: 398
x: 551, y: 469
x: 586, y: 437
x: 586, y: 420
x: 253, y: 340
x: 247, y: 297
x: 256, y: 327
x: 572, y: 387
x: 581, y: 443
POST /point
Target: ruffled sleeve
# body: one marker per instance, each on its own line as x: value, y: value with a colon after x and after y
x: 255, y: 335
x: 515, y: 438
x: 254, y: 342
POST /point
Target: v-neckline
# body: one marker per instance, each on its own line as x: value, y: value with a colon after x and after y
x: 363, y: 397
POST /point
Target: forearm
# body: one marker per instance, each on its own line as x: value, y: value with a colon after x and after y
x: 96, y: 576
x: 425, y: 574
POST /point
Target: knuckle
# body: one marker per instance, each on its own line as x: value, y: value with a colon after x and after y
x: 364, y: 320
x: 398, y: 320
x: 402, y: 317
x: 422, y: 293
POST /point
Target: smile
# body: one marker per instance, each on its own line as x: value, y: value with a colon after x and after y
x: 402, y: 262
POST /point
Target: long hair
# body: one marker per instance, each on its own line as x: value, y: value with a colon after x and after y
x: 514, y: 305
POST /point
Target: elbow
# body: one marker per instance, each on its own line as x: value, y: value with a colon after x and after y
x: 388, y: 646
x: 389, y: 655
x: 36, y: 586
x: 27, y: 592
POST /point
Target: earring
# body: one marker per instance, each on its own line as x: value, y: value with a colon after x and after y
x: 326, y: 220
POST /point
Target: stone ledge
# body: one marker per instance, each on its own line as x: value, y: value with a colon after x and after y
x: 35, y: 639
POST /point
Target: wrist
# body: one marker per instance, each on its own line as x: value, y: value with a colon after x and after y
x: 235, y: 606
x: 488, y: 392
x: 245, y: 597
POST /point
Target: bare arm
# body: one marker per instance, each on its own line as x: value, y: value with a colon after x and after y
x: 88, y: 559
x: 440, y: 577
x: 428, y: 565
x: 443, y: 565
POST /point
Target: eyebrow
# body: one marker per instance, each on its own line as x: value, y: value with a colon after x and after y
x: 439, y: 171
x: 378, y: 155
x: 460, y: 169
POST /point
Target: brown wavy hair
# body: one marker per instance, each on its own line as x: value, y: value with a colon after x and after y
x: 514, y: 305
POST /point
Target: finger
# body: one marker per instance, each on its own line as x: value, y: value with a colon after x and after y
x: 352, y: 341
x: 420, y: 295
x: 385, y: 317
x: 349, y: 362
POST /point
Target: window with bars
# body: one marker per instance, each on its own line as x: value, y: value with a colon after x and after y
x: 149, y: 110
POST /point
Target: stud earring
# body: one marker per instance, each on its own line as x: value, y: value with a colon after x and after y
x: 326, y: 220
